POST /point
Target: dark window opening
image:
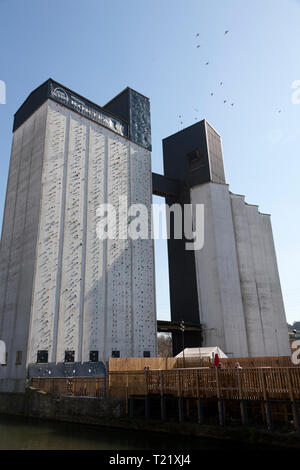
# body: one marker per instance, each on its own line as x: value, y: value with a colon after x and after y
x: 147, y: 354
x: 42, y: 356
x: 115, y: 354
x: 196, y: 159
x: 94, y: 356
x: 69, y: 356
x: 19, y: 358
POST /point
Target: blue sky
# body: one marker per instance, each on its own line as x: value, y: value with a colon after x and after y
x: 98, y: 47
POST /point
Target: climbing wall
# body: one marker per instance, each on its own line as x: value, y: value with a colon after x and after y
x: 71, y: 301
x: 95, y: 277
x: 44, y: 305
x: 119, y: 307
x: 91, y: 294
x: 143, y: 300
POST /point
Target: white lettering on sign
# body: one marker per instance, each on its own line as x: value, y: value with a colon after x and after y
x: 81, y: 107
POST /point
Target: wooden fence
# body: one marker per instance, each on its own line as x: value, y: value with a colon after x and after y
x: 276, y: 383
x: 251, y: 383
x: 266, y: 387
x: 248, y: 384
x: 71, y: 386
x: 262, y: 386
x: 229, y: 363
x: 139, y: 363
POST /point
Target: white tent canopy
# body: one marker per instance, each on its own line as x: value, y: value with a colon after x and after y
x: 203, y: 352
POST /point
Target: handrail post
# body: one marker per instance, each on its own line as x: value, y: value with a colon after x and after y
x: 243, y: 406
x: 267, y: 402
x: 106, y: 382
x: 126, y: 393
x: 147, y: 398
x: 199, y: 401
x: 220, y: 400
x: 293, y: 402
x: 179, y: 396
x: 162, y: 398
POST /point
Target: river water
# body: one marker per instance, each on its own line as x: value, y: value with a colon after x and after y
x: 23, y: 433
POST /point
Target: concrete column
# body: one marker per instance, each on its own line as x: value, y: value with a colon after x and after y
x: 144, y: 326
x: 18, y: 246
x: 279, y: 318
x: 95, y: 278
x: 253, y: 321
x: 119, y: 280
x: 209, y: 295
x: 47, y: 259
x: 218, y: 274
x: 261, y: 279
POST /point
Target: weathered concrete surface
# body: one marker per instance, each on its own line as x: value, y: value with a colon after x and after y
x: 18, y: 244
x: 74, y: 409
x: 218, y: 280
x: 251, y: 305
x: 279, y: 319
x: 239, y: 292
x: 12, y: 404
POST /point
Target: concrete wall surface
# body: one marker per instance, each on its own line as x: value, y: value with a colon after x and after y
x: 91, y: 294
x: 218, y: 279
x: 76, y: 409
x: 61, y: 287
x: 19, y: 240
x: 251, y: 305
x: 241, y: 305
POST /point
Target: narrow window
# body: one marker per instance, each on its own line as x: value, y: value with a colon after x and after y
x: 69, y: 356
x: 42, y: 356
x: 19, y: 358
x: 94, y: 356
x: 115, y: 354
x: 147, y: 354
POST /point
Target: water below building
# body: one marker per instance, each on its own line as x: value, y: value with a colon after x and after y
x: 33, y: 434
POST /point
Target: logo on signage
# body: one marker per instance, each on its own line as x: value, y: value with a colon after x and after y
x: 87, y: 110
x: 61, y: 94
